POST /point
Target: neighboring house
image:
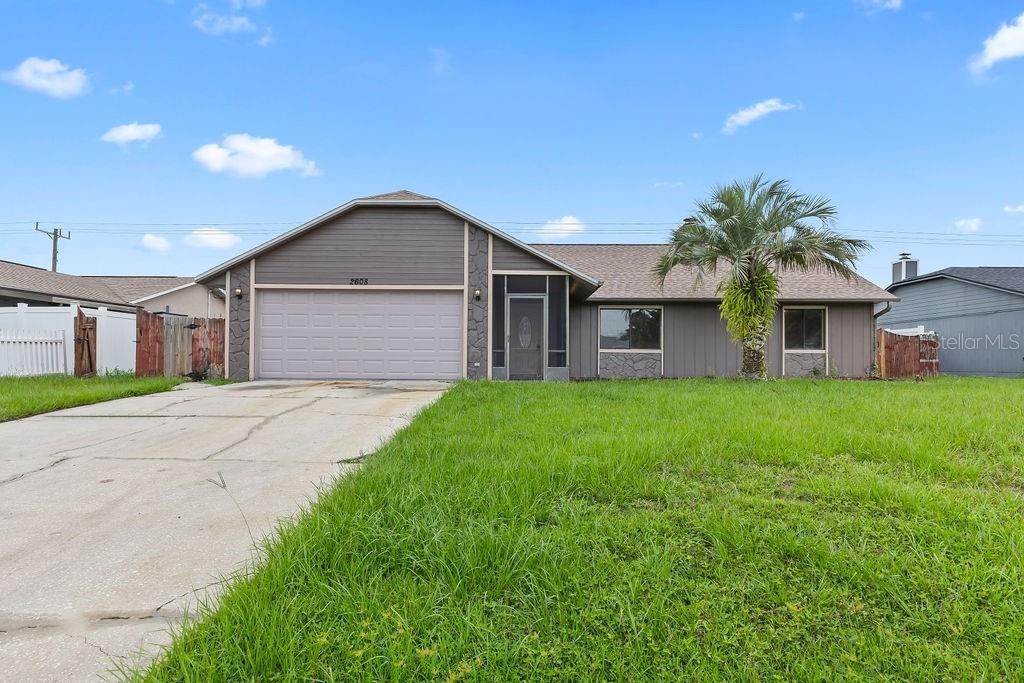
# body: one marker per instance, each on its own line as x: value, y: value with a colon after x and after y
x: 178, y: 295
x: 20, y: 283
x: 978, y: 314
x: 403, y: 286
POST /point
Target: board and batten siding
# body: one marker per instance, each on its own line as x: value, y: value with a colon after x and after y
x: 508, y: 256
x: 851, y: 330
x: 385, y: 245
x: 697, y: 343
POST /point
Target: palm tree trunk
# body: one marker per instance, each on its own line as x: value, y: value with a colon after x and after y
x: 755, y: 365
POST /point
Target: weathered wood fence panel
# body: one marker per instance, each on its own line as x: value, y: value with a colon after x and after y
x: 177, y: 346
x: 149, y: 344
x: 32, y: 352
x: 907, y: 355
x: 208, y: 347
x: 85, y: 345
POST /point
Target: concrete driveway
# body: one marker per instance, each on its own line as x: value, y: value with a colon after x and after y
x: 114, y: 517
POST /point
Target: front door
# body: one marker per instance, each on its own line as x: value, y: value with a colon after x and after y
x: 525, y: 338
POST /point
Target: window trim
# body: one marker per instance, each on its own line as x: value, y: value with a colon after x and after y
x: 825, y: 331
x: 630, y: 306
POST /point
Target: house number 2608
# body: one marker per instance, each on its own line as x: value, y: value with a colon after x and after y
x: 359, y: 280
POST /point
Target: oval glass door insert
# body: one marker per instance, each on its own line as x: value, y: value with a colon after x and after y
x: 525, y: 332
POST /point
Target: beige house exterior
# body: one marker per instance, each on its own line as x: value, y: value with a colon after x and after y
x: 192, y: 299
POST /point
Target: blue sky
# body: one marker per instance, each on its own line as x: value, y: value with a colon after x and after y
x: 606, y: 119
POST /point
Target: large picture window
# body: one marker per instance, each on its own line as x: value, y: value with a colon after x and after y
x: 630, y: 329
x: 804, y: 329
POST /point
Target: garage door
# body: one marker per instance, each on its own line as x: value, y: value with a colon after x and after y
x: 366, y: 334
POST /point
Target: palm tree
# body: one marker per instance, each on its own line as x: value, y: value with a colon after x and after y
x: 756, y: 230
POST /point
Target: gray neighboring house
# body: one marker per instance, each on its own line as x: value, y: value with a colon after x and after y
x: 404, y: 286
x: 978, y: 314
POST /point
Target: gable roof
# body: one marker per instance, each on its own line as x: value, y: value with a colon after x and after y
x: 101, y: 289
x: 397, y: 198
x: 1006, y: 278
x: 626, y: 271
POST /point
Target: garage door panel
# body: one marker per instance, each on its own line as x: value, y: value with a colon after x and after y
x: 359, y: 334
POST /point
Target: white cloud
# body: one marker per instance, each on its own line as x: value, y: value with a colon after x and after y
x: 131, y: 132
x: 876, y: 5
x: 156, y: 243
x: 248, y: 156
x: 563, y: 227
x: 248, y: 4
x: 696, y: 135
x: 1006, y: 43
x: 211, y: 238
x: 967, y: 226
x: 124, y: 89
x: 267, y: 38
x: 440, y: 60
x: 744, y: 117
x: 799, y: 16
x: 215, y: 24
x: 1013, y: 209
x: 669, y: 184
x: 48, y: 76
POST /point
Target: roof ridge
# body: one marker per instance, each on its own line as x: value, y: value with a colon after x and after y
x: 403, y: 195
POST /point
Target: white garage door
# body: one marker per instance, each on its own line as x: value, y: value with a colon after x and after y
x: 362, y: 334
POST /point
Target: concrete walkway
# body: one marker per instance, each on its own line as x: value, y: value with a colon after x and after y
x: 115, y: 517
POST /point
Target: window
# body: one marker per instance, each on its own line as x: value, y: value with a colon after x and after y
x: 630, y: 329
x: 804, y: 329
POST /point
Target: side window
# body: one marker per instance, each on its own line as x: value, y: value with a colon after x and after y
x: 804, y: 329
x: 628, y: 329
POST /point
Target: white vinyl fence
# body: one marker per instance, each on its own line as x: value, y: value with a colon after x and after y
x: 54, y: 326
x: 27, y: 352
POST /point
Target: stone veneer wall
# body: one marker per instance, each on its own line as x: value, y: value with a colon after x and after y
x: 238, y: 314
x: 629, y: 365
x: 476, y: 314
x: 805, y: 364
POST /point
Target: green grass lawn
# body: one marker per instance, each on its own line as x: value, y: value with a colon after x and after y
x: 24, y: 396
x: 689, y: 530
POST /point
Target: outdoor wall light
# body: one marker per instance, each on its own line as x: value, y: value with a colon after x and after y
x: 476, y: 294
x: 238, y: 292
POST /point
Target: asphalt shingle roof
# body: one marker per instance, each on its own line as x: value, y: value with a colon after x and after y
x: 132, y: 287
x: 626, y: 273
x: 404, y: 195
x: 95, y: 288
x: 1004, y: 277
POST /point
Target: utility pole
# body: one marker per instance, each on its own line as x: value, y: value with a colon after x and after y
x: 55, y: 234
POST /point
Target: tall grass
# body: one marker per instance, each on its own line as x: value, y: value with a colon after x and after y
x: 693, y: 529
x: 24, y: 396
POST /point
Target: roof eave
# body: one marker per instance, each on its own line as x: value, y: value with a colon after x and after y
x: 935, y: 276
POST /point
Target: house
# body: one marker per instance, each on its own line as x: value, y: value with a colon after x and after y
x: 403, y: 286
x: 20, y: 283
x: 978, y: 314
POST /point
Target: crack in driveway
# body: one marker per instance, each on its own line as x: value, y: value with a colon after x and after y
x: 260, y: 425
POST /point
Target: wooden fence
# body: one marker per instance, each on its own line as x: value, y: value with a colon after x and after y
x: 85, y: 344
x: 177, y: 345
x: 907, y: 355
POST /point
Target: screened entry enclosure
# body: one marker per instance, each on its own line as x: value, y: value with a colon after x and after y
x: 529, y: 324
